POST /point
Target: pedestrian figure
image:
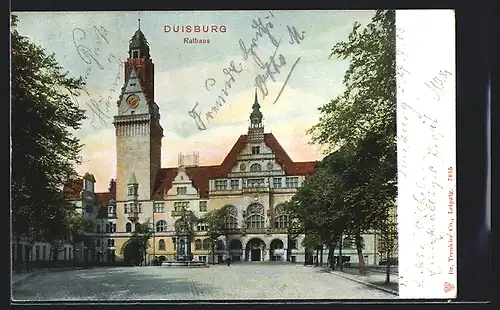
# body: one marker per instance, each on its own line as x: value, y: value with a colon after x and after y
x: 229, y: 261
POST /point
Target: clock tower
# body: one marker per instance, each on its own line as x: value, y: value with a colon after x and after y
x: 137, y: 126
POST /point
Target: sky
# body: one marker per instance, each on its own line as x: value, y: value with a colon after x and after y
x: 183, y: 71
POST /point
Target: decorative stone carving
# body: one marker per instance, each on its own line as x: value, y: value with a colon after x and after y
x: 243, y: 167
x: 232, y: 211
x: 279, y: 209
x: 270, y: 165
x: 255, y: 209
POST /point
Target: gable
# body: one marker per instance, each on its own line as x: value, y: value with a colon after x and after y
x: 132, y: 89
x: 201, y: 175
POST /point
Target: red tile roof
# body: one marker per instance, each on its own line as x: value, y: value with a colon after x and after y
x: 200, y: 175
x: 103, y: 199
x: 72, y: 189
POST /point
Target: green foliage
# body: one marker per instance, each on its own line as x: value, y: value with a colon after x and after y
x: 44, y: 150
x: 141, y: 235
x: 185, y: 224
x: 368, y: 103
x: 353, y: 187
x: 217, y: 223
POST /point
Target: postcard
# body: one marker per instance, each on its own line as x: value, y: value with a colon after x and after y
x: 233, y: 155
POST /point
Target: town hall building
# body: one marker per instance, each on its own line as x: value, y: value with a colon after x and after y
x: 254, y: 180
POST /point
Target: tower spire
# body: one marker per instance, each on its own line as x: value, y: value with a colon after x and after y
x: 256, y: 115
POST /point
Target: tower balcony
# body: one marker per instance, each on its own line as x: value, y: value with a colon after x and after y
x: 133, y: 215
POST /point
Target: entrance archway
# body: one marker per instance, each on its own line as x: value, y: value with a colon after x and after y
x: 236, y: 249
x: 275, y: 245
x: 132, y: 253
x: 254, y: 250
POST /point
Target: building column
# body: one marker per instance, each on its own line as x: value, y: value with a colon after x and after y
x: 265, y: 254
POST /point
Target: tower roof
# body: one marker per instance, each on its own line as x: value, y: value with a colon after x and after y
x: 132, y: 180
x: 139, y: 42
x: 256, y: 115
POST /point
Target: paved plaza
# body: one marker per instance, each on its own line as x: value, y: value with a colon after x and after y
x: 219, y: 282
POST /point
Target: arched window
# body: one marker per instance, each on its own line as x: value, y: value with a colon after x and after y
x: 128, y: 227
x: 206, y: 244
x: 255, y: 221
x: 161, y: 245
x: 281, y: 221
x: 255, y: 167
x: 232, y: 222
x: 197, y: 244
x: 161, y: 226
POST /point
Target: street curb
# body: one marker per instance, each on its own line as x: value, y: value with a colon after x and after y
x: 366, y: 283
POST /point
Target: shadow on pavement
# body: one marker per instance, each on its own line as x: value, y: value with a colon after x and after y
x: 117, y: 284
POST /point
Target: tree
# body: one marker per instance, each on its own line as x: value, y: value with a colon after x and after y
x: 140, y: 239
x: 44, y: 149
x: 318, y: 208
x: 361, y: 124
x: 368, y: 103
x: 216, y: 221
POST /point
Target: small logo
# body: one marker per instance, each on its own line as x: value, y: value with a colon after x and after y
x: 448, y: 287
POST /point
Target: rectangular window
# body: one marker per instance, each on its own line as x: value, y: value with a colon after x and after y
x: 125, y: 208
x: 292, y: 182
x: 181, y: 190
x: 70, y: 253
x: 251, y: 183
x: 185, y: 204
x: 159, y: 207
x: 113, y: 227
x: 277, y: 182
x: 130, y: 191
x: 220, y: 184
x: 203, y: 206
x: 235, y: 184
x: 255, y: 150
x: 202, y: 226
x: 177, y: 206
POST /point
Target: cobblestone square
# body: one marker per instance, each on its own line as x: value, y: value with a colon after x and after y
x: 219, y: 282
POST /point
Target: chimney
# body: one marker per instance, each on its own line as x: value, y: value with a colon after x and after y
x: 112, y: 189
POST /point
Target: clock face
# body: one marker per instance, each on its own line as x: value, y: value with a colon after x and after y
x: 133, y: 101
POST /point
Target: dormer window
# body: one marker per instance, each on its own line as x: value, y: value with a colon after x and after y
x: 255, y: 150
x: 135, y: 54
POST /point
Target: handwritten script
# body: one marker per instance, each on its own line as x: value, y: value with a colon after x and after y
x: 99, y: 107
x: 424, y: 171
x: 270, y: 67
